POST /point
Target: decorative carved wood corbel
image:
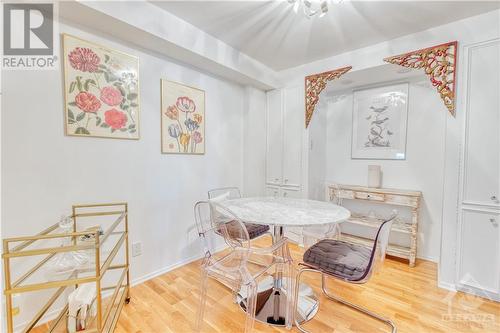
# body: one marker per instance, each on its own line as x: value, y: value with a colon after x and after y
x: 314, y: 85
x: 439, y: 63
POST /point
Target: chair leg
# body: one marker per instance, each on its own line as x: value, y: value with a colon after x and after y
x: 296, y: 297
x: 250, y: 306
x: 203, y: 300
x: 354, y: 306
x: 290, y: 292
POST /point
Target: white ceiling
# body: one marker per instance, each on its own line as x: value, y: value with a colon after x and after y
x: 372, y: 76
x: 272, y: 33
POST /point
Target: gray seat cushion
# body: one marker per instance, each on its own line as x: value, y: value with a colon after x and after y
x: 254, y: 230
x: 338, y: 258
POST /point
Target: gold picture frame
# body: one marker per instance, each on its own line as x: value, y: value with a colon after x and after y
x: 182, y: 119
x: 101, y: 91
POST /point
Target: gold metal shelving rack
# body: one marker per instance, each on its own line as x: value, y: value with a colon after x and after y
x: 108, y: 309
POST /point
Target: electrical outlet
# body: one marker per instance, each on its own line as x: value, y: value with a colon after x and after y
x: 136, y: 249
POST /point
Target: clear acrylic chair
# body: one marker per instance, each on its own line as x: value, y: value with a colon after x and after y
x: 347, y: 262
x: 228, y: 193
x: 234, y: 268
x: 310, y: 235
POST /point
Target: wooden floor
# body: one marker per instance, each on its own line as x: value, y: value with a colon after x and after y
x: 409, y: 296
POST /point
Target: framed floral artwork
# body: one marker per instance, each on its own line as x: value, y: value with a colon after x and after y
x: 101, y: 90
x: 379, y: 122
x: 182, y: 119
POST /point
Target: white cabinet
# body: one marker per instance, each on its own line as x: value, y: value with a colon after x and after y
x: 478, y: 253
x: 274, y: 151
x: 293, y: 125
x: 282, y: 191
x: 292, y: 233
x: 482, y: 146
x: 479, y: 265
x: 285, y: 125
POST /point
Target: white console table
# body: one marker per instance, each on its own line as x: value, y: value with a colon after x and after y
x: 406, y: 198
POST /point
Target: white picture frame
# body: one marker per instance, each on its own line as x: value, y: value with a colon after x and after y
x: 379, y: 122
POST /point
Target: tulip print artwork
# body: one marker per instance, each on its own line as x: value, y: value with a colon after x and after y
x: 101, y: 91
x: 182, y: 119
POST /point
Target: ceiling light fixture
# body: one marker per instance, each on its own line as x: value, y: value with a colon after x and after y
x: 312, y: 8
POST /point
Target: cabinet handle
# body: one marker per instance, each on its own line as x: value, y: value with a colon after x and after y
x: 494, y: 198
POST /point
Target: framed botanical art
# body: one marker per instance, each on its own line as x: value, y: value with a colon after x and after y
x: 182, y: 119
x: 379, y: 121
x: 101, y: 91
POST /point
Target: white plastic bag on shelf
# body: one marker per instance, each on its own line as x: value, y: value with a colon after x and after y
x: 81, y: 306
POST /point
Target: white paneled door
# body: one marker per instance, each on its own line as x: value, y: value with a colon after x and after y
x: 482, y: 149
x: 480, y: 250
x: 285, y: 125
x: 478, y: 254
x: 274, y: 138
x: 293, y: 125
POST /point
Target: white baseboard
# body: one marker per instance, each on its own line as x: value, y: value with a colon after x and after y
x: 492, y: 296
x: 447, y: 286
x: 54, y: 313
x: 486, y: 294
x: 168, y: 268
x: 428, y: 258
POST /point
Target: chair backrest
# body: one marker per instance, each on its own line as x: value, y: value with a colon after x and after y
x: 203, y: 224
x: 227, y: 224
x: 379, y: 247
x: 224, y: 193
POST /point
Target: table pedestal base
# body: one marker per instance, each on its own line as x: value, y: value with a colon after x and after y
x: 271, y: 303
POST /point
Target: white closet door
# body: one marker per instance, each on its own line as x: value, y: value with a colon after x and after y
x: 482, y: 150
x: 479, y: 266
x: 293, y: 126
x: 274, y: 137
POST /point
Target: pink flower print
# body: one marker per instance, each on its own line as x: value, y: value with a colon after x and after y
x: 87, y: 102
x: 198, y: 118
x: 115, y: 119
x: 84, y: 59
x: 197, y: 137
x: 172, y: 112
x: 111, y: 96
x: 185, y: 104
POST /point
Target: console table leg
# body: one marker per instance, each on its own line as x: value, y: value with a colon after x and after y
x: 413, y: 242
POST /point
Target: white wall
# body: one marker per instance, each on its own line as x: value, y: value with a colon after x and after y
x: 467, y: 31
x: 254, y: 149
x: 422, y: 169
x: 317, y: 147
x: 44, y: 172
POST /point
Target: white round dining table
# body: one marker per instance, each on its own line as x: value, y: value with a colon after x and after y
x: 280, y: 213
